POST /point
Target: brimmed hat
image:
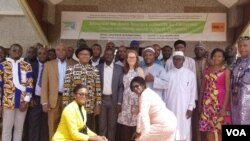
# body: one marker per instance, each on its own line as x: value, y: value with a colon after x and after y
x: 83, y: 47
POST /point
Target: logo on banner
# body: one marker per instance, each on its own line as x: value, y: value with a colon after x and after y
x: 66, y: 25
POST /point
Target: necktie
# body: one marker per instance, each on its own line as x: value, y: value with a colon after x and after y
x: 40, y: 78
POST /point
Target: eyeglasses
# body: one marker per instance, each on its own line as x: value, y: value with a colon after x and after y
x: 244, y: 38
x: 131, y: 57
x: 135, y: 86
x: 82, y: 94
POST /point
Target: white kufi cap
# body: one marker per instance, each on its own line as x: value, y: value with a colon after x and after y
x: 178, y: 53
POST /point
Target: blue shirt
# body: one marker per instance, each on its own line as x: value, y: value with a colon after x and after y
x: 62, y: 66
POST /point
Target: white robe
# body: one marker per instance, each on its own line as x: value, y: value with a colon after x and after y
x: 188, y: 63
x: 160, y: 79
x: 180, y: 97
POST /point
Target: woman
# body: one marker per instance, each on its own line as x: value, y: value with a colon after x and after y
x: 155, y: 121
x: 127, y: 117
x: 72, y: 125
x: 241, y: 84
x: 215, y: 97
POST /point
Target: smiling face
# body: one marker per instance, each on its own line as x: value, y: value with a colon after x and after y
x: 137, y: 88
x: 84, y: 57
x: 244, y: 48
x: 149, y: 57
x: 218, y: 58
x: 131, y: 59
x: 81, y: 96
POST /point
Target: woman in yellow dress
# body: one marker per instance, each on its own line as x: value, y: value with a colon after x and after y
x: 72, y: 125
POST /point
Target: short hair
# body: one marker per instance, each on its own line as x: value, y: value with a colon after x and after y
x: 180, y: 42
x: 78, y: 87
x: 167, y: 46
x: 16, y: 45
x: 98, y: 45
x: 109, y: 49
x: 52, y: 50
x: 218, y: 50
x: 139, y: 80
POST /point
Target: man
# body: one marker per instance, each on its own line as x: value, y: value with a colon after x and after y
x: 70, y: 52
x: 166, y: 54
x: 155, y: 75
x: 84, y: 73
x: 121, y: 55
x: 37, y: 119
x: 96, y: 58
x: 16, y: 90
x: 200, y: 64
x: 51, y: 54
x: 112, y: 89
x: 180, y: 99
x: 31, y: 54
x: 189, y: 63
x: 110, y: 45
x: 231, y: 52
x: 157, y: 49
x: 52, y: 87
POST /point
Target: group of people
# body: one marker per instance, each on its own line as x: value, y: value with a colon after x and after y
x: 123, y: 96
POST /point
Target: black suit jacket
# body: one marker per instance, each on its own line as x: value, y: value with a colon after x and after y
x: 35, y: 70
x: 117, y: 82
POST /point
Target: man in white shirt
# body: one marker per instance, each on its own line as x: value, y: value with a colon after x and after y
x: 111, y: 76
x: 180, y: 98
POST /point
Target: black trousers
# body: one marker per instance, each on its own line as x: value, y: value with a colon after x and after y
x: 124, y: 133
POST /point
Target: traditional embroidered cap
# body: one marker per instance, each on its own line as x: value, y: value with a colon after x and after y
x: 178, y: 53
x: 200, y: 44
x: 149, y: 49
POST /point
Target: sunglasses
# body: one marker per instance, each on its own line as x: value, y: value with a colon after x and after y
x: 135, y: 86
x: 244, y: 38
x: 82, y: 94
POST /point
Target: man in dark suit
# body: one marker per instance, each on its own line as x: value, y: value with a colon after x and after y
x: 112, y: 89
x: 38, y: 127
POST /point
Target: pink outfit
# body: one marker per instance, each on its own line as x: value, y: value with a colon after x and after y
x: 155, y: 122
x: 213, y: 99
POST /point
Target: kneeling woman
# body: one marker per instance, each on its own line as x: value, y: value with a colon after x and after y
x: 155, y: 121
x: 72, y: 125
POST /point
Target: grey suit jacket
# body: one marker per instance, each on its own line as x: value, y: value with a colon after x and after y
x: 117, y: 82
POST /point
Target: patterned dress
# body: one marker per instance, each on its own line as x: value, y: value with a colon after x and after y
x: 130, y: 106
x: 213, y: 98
x: 240, y: 97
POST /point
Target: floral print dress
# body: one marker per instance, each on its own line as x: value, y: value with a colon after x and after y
x: 213, y: 99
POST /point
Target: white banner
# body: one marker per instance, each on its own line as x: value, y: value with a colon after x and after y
x: 144, y: 26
